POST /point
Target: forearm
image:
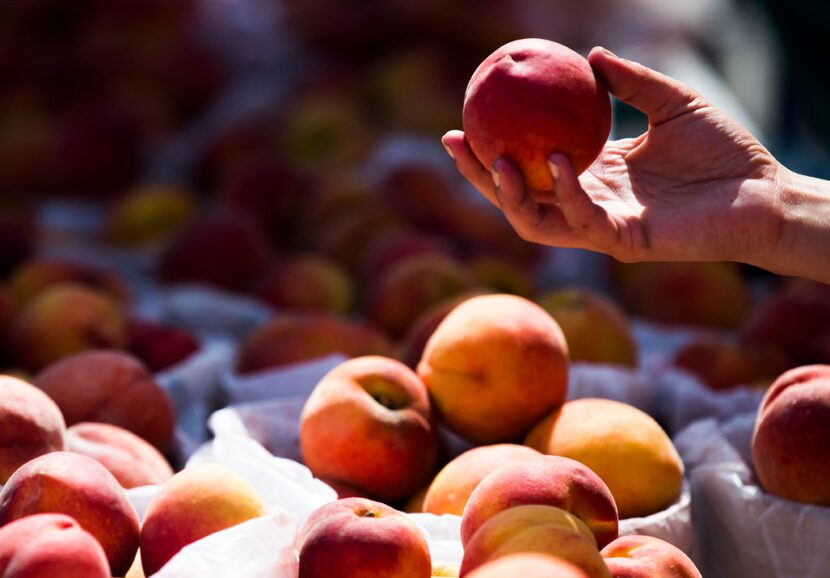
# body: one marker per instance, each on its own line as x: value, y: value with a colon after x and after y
x: 803, y: 248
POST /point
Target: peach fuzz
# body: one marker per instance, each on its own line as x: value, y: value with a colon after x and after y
x: 111, y: 387
x: 547, y: 480
x: 63, y: 320
x: 359, y: 538
x: 622, y: 444
x: 528, y: 565
x: 129, y: 458
x: 292, y: 338
x: 451, y: 488
x: 539, y: 529
x: 195, y: 503
x: 531, y: 98
x: 368, y: 424
x: 645, y: 556
x: 50, y: 546
x: 494, y: 367
x: 31, y: 424
x: 78, y: 486
x: 790, y: 442
x: 595, y: 328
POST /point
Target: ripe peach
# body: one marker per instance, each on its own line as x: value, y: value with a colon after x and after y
x: 307, y: 283
x: 503, y: 275
x: 495, y: 366
x: 406, y: 289
x: 110, y: 387
x: 548, y: 480
x: 63, y: 320
x: 196, y: 502
x: 50, y: 545
x: 388, y: 250
x: 532, y: 98
x: 78, y: 486
x: 789, y: 444
x: 449, y: 491
x: 36, y: 275
x: 159, y: 346
x: 645, y: 556
x: 31, y: 425
x: 369, y: 424
x: 149, y: 214
x: 528, y: 565
x: 359, y: 538
x: 535, y: 528
x: 622, y: 444
x: 293, y: 338
x: 595, y: 328
x: 129, y: 458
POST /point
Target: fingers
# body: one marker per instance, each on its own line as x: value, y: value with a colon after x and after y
x: 465, y: 160
x: 660, y: 97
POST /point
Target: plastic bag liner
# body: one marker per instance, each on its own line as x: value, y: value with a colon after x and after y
x: 743, y: 532
x: 611, y: 382
x: 673, y: 524
x: 207, y: 310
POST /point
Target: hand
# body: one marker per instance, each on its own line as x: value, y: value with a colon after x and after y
x: 695, y: 186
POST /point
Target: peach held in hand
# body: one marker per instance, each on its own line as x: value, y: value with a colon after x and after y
x: 359, y: 538
x: 531, y: 98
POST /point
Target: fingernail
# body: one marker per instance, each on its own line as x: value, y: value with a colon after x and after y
x: 496, y: 177
x: 554, y: 169
x: 449, y: 150
x: 608, y: 52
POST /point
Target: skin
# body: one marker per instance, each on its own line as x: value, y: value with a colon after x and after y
x: 696, y: 186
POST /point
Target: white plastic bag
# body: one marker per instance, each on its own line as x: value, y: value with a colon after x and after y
x: 207, y: 310
x: 611, y: 382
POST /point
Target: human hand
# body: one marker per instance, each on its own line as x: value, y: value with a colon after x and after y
x: 695, y: 186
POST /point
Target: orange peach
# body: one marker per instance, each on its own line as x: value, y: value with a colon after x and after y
x: 451, y: 488
x: 789, y: 444
x: 31, y: 424
x: 307, y: 283
x: 293, y: 338
x: 129, y: 458
x: 359, y: 538
x: 110, y: 387
x: 625, y: 446
x: 149, y: 214
x: 52, y: 545
x: 645, y: 556
x: 369, y: 424
x: 528, y: 565
x: 33, y: 277
x: 495, y: 366
x: 159, y: 346
x: 595, y: 328
x: 539, y: 529
x: 532, y: 98
x: 547, y: 480
x: 78, y: 486
x: 195, y: 503
x: 63, y: 320
x: 406, y: 289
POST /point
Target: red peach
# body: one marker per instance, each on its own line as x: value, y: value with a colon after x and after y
x: 159, y: 346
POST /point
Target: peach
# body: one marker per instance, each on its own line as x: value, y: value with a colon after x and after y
x: 539, y: 529
x: 359, y: 538
x: 347, y: 237
x: 503, y: 275
x: 307, y: 283
x: 711, y: 294
x: 548, y: 480
x: 195, y: 503
x: 78, y: 486
x: 494, y: 367
x: 50, y: 546
x: 531, y: 98
x: 388, y: 250
x: 625, y: 446
x: 451, y: 488
x: 31, y: 424
x: 369, y: 424
x: 159, y: 346
x: 645, y: 556
x: 528, y: 565
x: 148, y: 214
x: 227, y: 250
x: 63, y: 320
x: 789, y: 444
x: 405, y: 290
x: 33, y: 277
x: 595, y: 328
x: 130, y: 459
x: 110, y: 387
x: 415, y: 503
x: 288, y: 339
x: 722, y: 363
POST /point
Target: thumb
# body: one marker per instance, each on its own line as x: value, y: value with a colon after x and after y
x: 660, y: 97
